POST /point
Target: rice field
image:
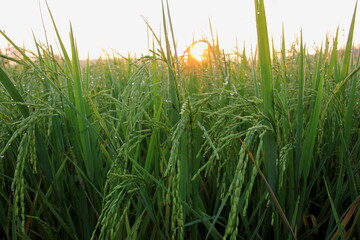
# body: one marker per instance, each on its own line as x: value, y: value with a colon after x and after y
x: 261, y: 145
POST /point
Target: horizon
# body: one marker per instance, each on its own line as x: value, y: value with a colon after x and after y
x: 126, y: 32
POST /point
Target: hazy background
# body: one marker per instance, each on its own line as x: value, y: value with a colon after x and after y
x: 117, y: 24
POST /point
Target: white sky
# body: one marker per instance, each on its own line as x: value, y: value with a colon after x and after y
x: 117, y: 24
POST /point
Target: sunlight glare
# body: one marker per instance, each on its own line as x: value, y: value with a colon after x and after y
x: 198, y: 50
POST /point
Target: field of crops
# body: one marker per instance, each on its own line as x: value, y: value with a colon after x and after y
x: 236, y: 146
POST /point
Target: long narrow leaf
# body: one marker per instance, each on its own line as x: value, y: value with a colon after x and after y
x: 267, y: 92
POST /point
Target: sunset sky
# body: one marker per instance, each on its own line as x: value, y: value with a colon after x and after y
x: 118, y: 25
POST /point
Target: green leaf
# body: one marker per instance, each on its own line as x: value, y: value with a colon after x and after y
x: 13, y: 92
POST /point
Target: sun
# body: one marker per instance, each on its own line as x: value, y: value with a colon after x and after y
x: 198, y: 50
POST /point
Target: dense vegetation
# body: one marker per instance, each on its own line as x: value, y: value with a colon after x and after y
x: 236, y: 146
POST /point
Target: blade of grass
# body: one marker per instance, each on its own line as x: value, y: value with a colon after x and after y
x: 13, y: 92
x: 173, y: 86
x: 89, y: 156
x: 334, y: 212
x: 311, y: 133
x: 349, y: 119
x: 267, y: 92
x: 348, y: 49
x: 299, y: 126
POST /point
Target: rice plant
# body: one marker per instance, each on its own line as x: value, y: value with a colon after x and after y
x: 235, y: 146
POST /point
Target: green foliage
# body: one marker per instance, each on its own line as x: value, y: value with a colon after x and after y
x: 165, y: 147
